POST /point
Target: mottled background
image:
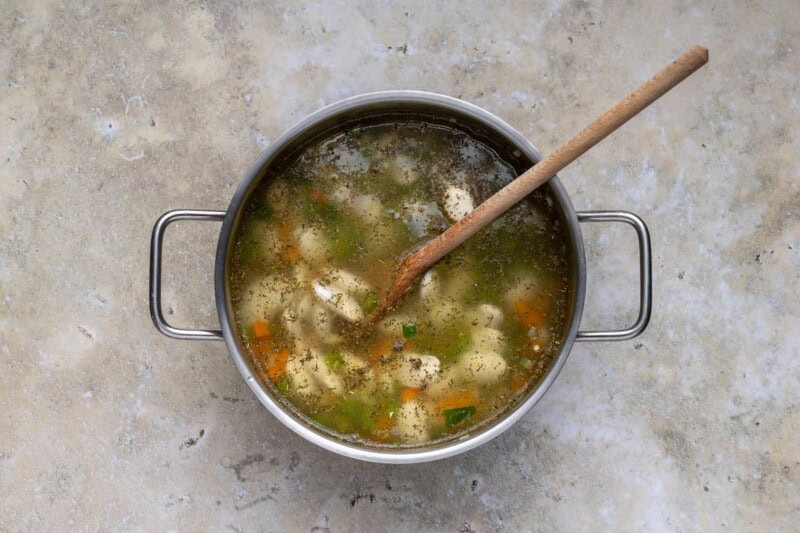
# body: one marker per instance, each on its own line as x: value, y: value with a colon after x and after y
x: 113, y: 112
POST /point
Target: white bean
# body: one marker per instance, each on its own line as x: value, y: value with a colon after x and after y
x: 344, y: 280
x: 412, y: 421
x: 449, y: 379
x: 419, y: 216
x: 313, y: 246
x: 368, y: 207
x: 262, y: 298
x: 457, y: 203
x: 488, y: 339
x: 352, y: 363
x: 486, y: 315
x: 300, y: 378
x: 383, y: 383
x: 342, y: 194
x: 292, y: 322
x: 482, y: 367
x: 338, y: 301
x: 323, y: 325
x: 326, y: 378
x: 523, y: 287
x: 402, y: 170
x: 444, y: 311
x: 415, y: 370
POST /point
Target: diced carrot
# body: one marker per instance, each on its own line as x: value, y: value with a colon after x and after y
x: 518, y: 382
x: 284, y: 230
x: 379, y: 349
x: 534, y: 317
x: 277, y: 366
x: 291, y: 253
x: 261, y: 328
x: 288, y: 249
x: 408, y: 394
x: 458, y: 399
x: 319, y: 196
x: 530, y: 314
x: 384, y: 422
x: 261, y: 349
x: 520, y: 307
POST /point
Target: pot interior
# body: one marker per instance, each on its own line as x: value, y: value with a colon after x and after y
x: 373, y: 109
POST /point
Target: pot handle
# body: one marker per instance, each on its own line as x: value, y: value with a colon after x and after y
x: 645, y: 275
x: 155, y: 273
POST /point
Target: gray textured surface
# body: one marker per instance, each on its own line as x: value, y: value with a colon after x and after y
x: 111, y: 114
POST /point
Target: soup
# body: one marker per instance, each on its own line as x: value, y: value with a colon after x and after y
x: 319, y: 243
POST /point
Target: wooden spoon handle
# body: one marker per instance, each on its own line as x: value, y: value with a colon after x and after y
x: 421, y: 260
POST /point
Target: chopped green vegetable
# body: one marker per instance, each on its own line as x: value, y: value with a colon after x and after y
x: 350, y: 415
x: 334, y: 360
x: 250, y: 251
x: 410, y: 330
x: 385, y: 405
x: 370, y: 302
x: 247, y: 333
x: 282, y: 384
x: 453, y: 417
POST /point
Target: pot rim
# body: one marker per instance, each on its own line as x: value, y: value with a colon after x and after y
x: 225, y: 312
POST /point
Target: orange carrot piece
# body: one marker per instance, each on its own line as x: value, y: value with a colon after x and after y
x: 283, y: 229
x: 261, y: 349
x: 384, y: 422
x: 408, y: 394
x: 534, y: 317
x: 318, y: 196
x: 277, y: 366
x: 520, y: 307
x: 261, y: 328
x: 291, y: 253
x: 458, y: 399
x: 531, y: 314
x: 379, y: 349
x: 518, y: 382
x: 288, y: 249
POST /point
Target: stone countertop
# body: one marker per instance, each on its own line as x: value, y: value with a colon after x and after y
x: 113, y: 114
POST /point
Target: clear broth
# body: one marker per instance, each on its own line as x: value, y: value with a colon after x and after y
x: 318, y: 245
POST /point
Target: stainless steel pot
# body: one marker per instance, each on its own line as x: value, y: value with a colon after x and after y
x: 444, y: 109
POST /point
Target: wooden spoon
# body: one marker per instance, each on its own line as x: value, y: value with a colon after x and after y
x: 418, y: 262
